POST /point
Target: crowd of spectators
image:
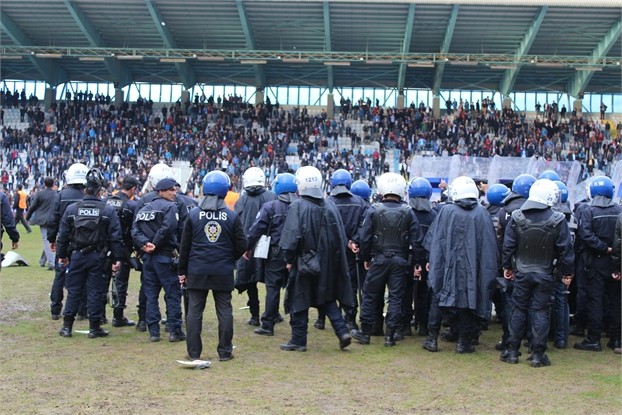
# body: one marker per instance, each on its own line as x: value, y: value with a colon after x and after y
x: 231, y: 135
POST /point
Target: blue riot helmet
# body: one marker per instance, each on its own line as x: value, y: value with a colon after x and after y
x: 563, y: 191
x: 284, y: 183
x: 216, y: 183
x: 549, y: 174
x: 420, y: 187
x: 361, y: 188
x: 601, y: 186
x: 341, y: 177
x: 497, y: 193
x: 522, y: 184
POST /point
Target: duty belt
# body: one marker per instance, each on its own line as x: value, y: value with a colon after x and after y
x: 87, y: 249
x: 391, y: 254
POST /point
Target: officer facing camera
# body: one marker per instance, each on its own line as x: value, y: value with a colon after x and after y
x: 88, y: 230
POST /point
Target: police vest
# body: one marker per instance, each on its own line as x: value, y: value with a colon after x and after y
x: 391, y: 230
x: 118, y: 204
x: 536, y: 242
x: 87, y: 225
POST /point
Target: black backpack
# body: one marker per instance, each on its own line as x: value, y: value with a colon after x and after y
x: 87, y: 224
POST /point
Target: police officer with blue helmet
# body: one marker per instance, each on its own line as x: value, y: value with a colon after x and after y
x: 549, y: 174
x: 212, y: 240
x: 270, y: 220
x: 597, y: 223
x: 361, y: 188
x: 88, y: 230
x: 122, y: 202
x: 155, y: 233
x: 352, y: 211
x: 561, y: 307
x: 417, y: 289
x: 495, y: 195
x: 75, y: 178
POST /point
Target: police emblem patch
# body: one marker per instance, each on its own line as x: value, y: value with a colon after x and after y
x: 212, y: 230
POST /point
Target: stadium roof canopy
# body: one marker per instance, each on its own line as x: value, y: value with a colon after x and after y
x: 562, y: 45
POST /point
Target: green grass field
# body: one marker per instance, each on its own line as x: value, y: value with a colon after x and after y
x: 42, y: 373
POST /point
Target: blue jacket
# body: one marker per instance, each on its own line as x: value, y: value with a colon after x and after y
x: 271, y: 215
x: 184, y: 205
x: 125, y: 208
x: 157, y: 223
x: 110, y: 238
x: 6, y: 215
x: 211, y: 242
x: 64, y: 198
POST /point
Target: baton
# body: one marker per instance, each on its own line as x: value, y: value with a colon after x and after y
x: 359, y: 284
x: 184, y: 294
x: 566, y: 316
x: 415, y: 294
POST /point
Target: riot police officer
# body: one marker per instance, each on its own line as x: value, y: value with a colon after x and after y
x: 155, y: 232
x: 212, y: 240
x: 516, y: 198
x: 88, y: 230
x: 536, y: 240
x: 270, y: 222
x: 463, y: 261
x: 247, y: 207
x: 314, y: 242
x: 597, y: 225
x: 560, y: 305
x: 389, y: 230
x: 122, y: 202
x: 495, y: 196
x: 75, y: 177
x: 417, y: 288
x: 352, y: 210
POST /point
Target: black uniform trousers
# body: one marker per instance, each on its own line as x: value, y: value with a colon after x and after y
x: 532, y: 297
x: 384, y: 272
x: 57, y: 293
x: 86, y: 271
x: 275, y: 277
x: 603, y: 300
x: 122, y: 280
x: 194, y: 322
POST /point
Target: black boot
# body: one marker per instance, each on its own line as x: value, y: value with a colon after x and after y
x: 362, y: 335
x: 65, y: 331
x: 464, y: 345
x: 431, y: 342
x: 389, y: 339
x: 95, y: 330
x: 118, y: 320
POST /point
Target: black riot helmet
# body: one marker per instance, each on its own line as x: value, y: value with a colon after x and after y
x: 95, y: 181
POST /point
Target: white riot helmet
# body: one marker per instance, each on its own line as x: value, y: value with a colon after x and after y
x: 254, y: 177
x: 76, y: 174
x: 463, y: 187
x: 309, y: 182
x: 158, y: 172
x: 544, y: 191
x: 392, y: 184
